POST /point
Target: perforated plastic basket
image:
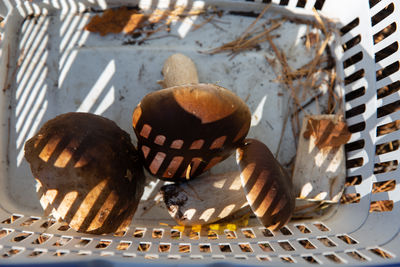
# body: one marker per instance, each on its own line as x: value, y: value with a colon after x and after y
x: 45, y: 59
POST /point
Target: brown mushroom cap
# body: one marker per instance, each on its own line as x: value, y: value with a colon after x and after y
x: 191, y: 126
x: 268, y: 188
x: 88, y: 170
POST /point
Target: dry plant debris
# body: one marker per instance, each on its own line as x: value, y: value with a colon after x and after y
x: 327, y: 133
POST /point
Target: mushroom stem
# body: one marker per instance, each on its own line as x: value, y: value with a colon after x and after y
x: 178, y: 70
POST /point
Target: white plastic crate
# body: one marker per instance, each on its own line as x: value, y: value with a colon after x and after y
x: 46, y: 63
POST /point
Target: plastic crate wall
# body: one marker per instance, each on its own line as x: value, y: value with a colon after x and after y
x: 354, y: 234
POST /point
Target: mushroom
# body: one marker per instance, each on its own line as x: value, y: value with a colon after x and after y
x: 268, y: 188
x: 186, y: 129
x: 88, y: 172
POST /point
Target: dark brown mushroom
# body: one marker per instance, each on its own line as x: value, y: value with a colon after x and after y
x: 88, y: 172
x: 185, y: 130
x: 268, y: 188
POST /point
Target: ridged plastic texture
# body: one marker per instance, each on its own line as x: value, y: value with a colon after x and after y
x: 368, y: 71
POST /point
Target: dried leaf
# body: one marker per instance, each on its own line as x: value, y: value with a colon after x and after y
x: 116, y: 21
x: 327, y: 133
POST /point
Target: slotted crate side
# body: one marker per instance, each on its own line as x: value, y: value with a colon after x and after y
x: 335, y: 223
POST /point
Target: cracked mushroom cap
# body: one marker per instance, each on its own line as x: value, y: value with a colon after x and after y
x: 185, y: 130
x: 268, y: 188
x: 87, y: 171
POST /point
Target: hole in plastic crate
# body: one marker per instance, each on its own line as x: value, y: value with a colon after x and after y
x: 353, y: 180
x: 355, y: 94
x: 354, y: 77
x: 245, y: 247
x: 283, y: 2
x: 326, y: 242
x: 388, y: 128
x: 83, y: 242
x: 143, y: 247
x: 139, y: 232
x: 175, y: 234
x: 389, y: 108
x: 225, y: 248
x: 381, y: 253
x: 381, y: 206
x: 248, y: 233
x: 322, y: 227
x: 63, y: 227
x: 351, y: 43
x: 354, y: 23
x: 41, y: 239
x: 106, y: 253
x: 310, y: 259
x: 287, y: 259
x: 286, y: 245
x: 164, y: 248
x: 184, y: 248
x: 350, y: 198
x: 384, y: 33
x: 212, y: 234
x: 103, y: 244
x: 60, y: 253
x: 266, y: 247
x: 301, y: 3
x: 356, y: 145
x: 196, y: 257
x: 119, y: 233
x: 5, y: 232
x: 11, y: 219
x: 373, y: 2
x: 388, y: 89
x: 319, y: 4
x: 128, y: 255
x: 174, y: 257
x: 230, y: 234
x: 383, y: 186
x: 29, y: 221
x: 263, y: 258
x: 267, y: 233
x: 353, y: 60
x: 381, y: 15
x: 205, y: 248
x: 356, y: 255
x: 387, y: 147
x: 334, y: 258
x: 306, y: 244
x: 36, y: 253
x: 387, y: 51
x: 358, y: 127
x: 157, y: 233
x: 124, y: 245
x: 11, y: 252
x: 194, y: 235
x: 353, y: 163
x: 347, y: 239
x: 355, y: 111
x: 387, y: 71
x: 47, y: 224
x: 21, y: 236
x: 303, y: 229
x: 386, y: 166
x: 285, y: 231
x: 62, y: 241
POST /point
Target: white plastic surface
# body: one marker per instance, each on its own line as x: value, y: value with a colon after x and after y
x: 49, y: 65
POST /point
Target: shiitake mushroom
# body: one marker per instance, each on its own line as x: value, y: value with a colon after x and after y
x: 185, y: 130
x: 88, y: 172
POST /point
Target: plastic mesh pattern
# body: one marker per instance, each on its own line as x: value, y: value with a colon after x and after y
x: 368, y: 64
